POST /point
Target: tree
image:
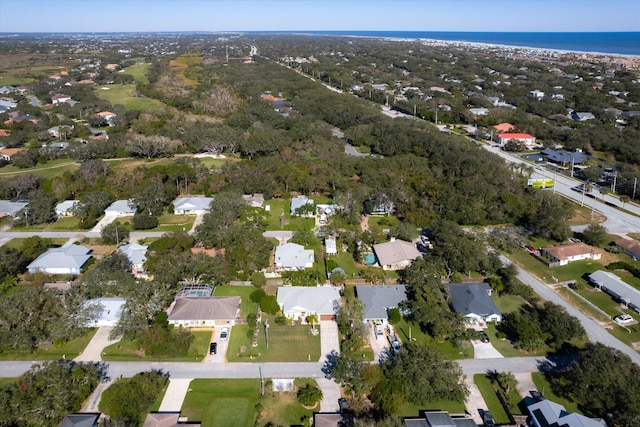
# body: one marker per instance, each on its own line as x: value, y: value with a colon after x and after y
x: 309, y: 395
x: 595, y: 235
x: 40, y: 209
x: 144, y: 221
x: 404, y: 231
x: 90, y: 207
x: 312, y: 319
x: 114, y: 233
x: 624, y: 199
x: 269, y: 304
x: 258, y: 279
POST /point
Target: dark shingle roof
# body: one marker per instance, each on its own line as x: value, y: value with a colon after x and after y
x: 472, y: 299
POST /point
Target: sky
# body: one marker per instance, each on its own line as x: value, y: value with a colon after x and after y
x: 319, y: 15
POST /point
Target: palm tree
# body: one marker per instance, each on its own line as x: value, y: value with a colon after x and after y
x: 312, y: 319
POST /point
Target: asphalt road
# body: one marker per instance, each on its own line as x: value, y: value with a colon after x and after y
x: 595, y: 331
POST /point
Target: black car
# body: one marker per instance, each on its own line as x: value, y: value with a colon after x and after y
x: 484, y: 337
x: 213, y: 348
x: 488, y: 419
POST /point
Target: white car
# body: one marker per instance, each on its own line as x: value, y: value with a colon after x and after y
x: 224, y: 333
x: 623, y: 319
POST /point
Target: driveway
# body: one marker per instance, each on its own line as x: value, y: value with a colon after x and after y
x: 329, y: 338
x: 525, y: 384
x: 380, y: 346
x: 483, y: 350
x: 475, y: 401
x: 221, y: 351
x: 330, y: 394
x: 196, y: 222
x: 175, y: 394
x: 108, y: 219
x: 93, y: 351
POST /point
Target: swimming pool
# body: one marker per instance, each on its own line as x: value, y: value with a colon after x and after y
x: 369, y: 259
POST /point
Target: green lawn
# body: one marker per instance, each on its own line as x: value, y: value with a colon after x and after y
x: 246, y: 305
x: 45, y: 170
x: 70, y: 350
x: 346, y: 262
x: 170, y: 222
x: 138, y: 71
x: 67, y: 223
x: 405, y: 329
x: 377, y: 223
x: 222, y: 402
x: 127, y: 350
x: 125, y: 95
x: 286, y: 344
x: 505, y: 347
x: 508, y: 303
x: 491, y: 399
x: 544, y: 387
x: 280, y: 219
x: 411, y: 410
x: 283, y: 409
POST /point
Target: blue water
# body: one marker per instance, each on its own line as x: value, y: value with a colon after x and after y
x: 623, y: 43
x: 369, y: 259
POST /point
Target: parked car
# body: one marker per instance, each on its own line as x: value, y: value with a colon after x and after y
x: 487, y: 419
x: 623, y: 319
x: 213, y: 348
x: 574, y: 240
x: 344, y: 406
x: 482, y: 336
x: 378, y: 331
x: 395, y: 345
x: 531, y: 248
x: 224, y: 333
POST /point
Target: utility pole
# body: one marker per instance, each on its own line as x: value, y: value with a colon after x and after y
x: 615, y: 178
x: 266, y: 331
x: 635, y: 181
x: 261, y: 380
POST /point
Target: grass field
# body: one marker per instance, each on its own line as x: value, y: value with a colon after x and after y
x: 126, y: 350
x: 405, y: 329
x: 286, y: 344
x: 126, y: 96
x: 544, y: 387
x: 246, y: 305
x: 70, y: 350
x: 411, y: 410
x: 491, y: 399
x: 138, y: 71
x: 45, y: 170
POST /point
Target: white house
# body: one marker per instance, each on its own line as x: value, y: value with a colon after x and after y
x: 292, y: 256
x: 197, y: 205
x: 474, y: 301
x: 137, y: 256
x: 564, y: 254
x: 525, y: 138
x: 297, y: 302
x: 379, y: 299
x: 66, y: 208
x: 109, y: 311
x: 203, y: 312
x: 254, y: 200
x: 9, y: 208
x: 298, y: 202
x: 120, y: 208
x: 64, y: 260
x: 330, y: 245
x: 479, y: 111
x: 536, y: 94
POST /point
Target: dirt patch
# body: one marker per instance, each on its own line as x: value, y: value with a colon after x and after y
x: 635, y: 346
x: 583, y: 217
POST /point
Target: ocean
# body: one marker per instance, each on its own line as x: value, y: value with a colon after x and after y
x: 620, y: 43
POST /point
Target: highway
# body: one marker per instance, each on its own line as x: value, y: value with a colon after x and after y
x: 618, y: 221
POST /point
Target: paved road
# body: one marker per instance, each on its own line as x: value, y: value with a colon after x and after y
x: 595, y: 331
x: 72, y: 234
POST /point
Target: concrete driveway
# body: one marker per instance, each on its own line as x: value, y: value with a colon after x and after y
x: 475, y: 401
x: 175, y: 394
x: 380, y: 346
x: 108, y: 219
x: 525, y: 384
x: 329, y: 338
x: 330, y: 394
x: 483, y: 350
x: 221, y: 352
x: 93, y: 351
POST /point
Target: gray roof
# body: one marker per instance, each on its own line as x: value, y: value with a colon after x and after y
x: 625, y: 292
x: 378, y: 298
x: 72, y: 257
x: 66, y: 206
x: 298, y: 202
x: 134, y: 252
x: 395, y: 251
x: 439, y: 419
x: 10, y: 208
x: 293, y: 255
x: 109, y: 312
x: 563, y: 156
x: 88, y: 419
x: 472, y: 298
x: 206, y: 308
x: 166, y: 419
x: 120, y: 206
x: 197, y: 203
x: 548, y: 413
x: 310, y: 299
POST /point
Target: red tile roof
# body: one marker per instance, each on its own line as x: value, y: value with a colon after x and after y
x: 515, y: 136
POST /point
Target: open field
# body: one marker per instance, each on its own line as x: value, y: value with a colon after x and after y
x: 68, y: 350
x: 126, y: 96
x: 138, y: 71
x: 127, y: 351
x: 45, y: 170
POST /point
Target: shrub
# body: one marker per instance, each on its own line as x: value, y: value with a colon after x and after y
x: 257, y: 296
x: 252, y: 320
x: 394, y: 315
x: 269, y: 304
x: 258, y: 280
x: 144, y: 222
x: 280, y: 320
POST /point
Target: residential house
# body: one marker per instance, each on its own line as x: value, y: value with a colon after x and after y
x: 10, y: 208
x: 60, y: 131
x: 292, y: 256
x: 8, y: 153
x: 120, y: 208
x: 7, y: 104
x: 81, y: 419
x: 298, y: 302
x: 525, y: 138
x: 582, y: 117
x: 107, y: 116
x: 396, y: 254
x: 66, y: 208
x: 167, y: 419
x: 536, y: 94
x: 254, y: 200
x: 64, y: 260
x: 194, y: 205
x: 479, y: 111
x: 330, y: 245
x: 99, y: 134
x: 545, y: 413
x: 564, y: 254
x: 111, y: 67
x: 473, y: 301
x: 379, y: 86
x: 617, y: 288
x: 299, y: 202
x: 325, y: 211
x: 378, y: 299
x: 137, y: 256
x: 109, y: 311
x: 630, y: 247
x: 60, y: 98
x: 504, y: 127
x: 439, y: 419
x: 203, y: 312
